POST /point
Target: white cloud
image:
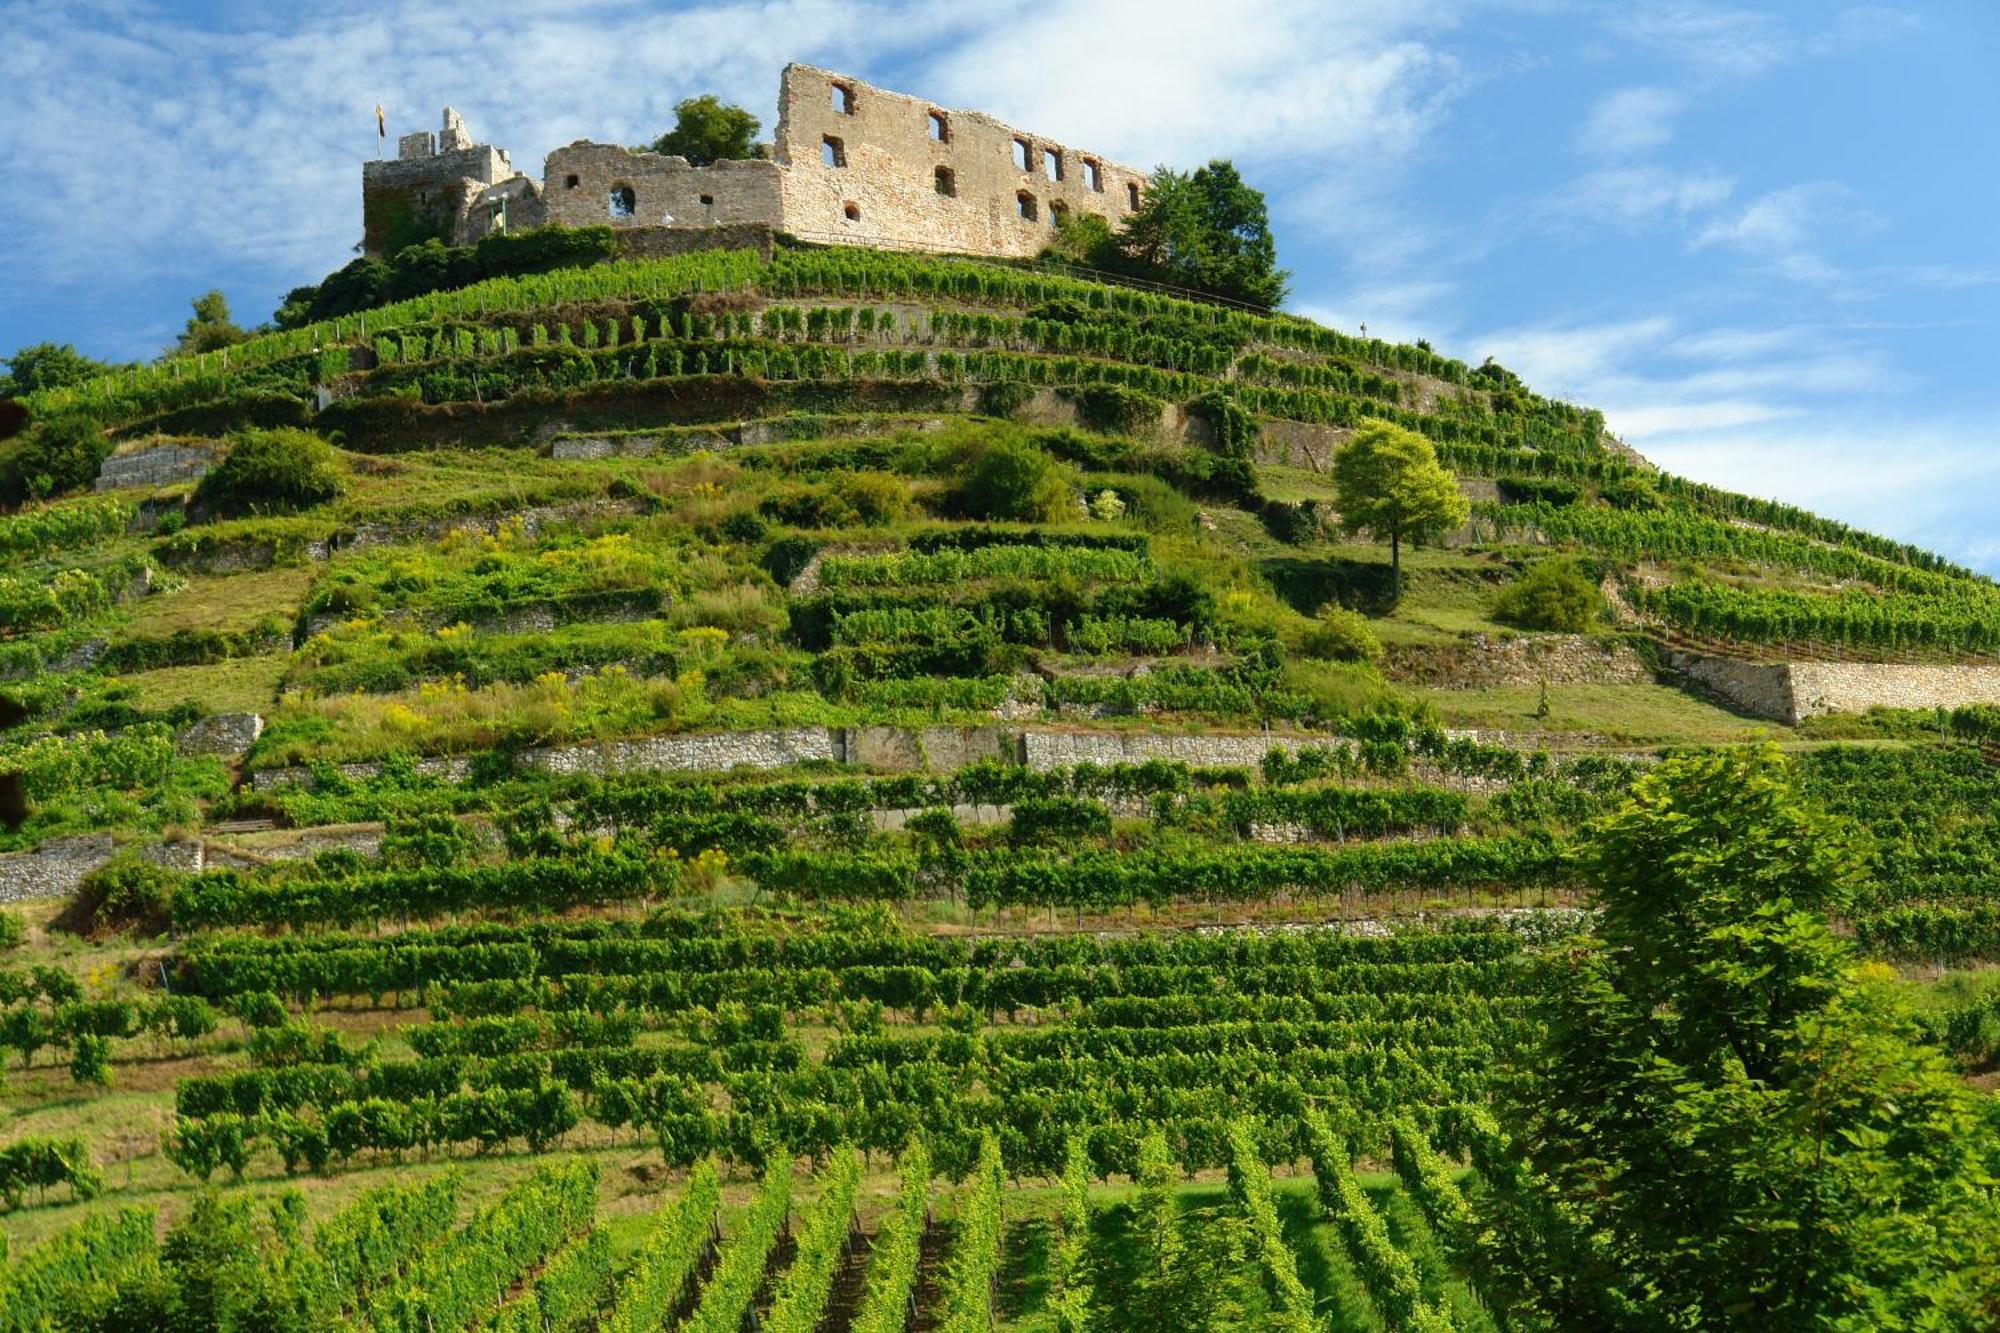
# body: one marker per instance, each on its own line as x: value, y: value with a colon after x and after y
x: 1787, y: 228
x: 1637, y: 196
x: 1401, y: 312
x: 1715, y: 40
x: 1629, y: 120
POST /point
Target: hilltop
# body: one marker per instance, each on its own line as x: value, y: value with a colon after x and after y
x: 756, y: 703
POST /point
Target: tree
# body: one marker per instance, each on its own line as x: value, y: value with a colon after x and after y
x: 1388, y: 482
x: 707, y: 129
x: 1208, y: 231
x: 63, y: 453
x: 272, y: 472
x: 1736, y: 1117
x: 210, y: 327
x: 47, y: 366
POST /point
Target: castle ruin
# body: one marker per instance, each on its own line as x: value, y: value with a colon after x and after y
x: 849, y: 164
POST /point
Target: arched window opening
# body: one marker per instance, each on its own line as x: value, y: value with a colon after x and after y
x: 1024, y: 154
x: 851, y: 211
x: 843, y: 98
x: 1058, y: 213
x: 1024, y: 204
x: 1132, y: 196
x: 1052, y: 163
x: 946, y: 181
x: 571, y: 181
x: 832, y: 152
x: 1093, y: 175
x: 624, y: 202
x: 940, y: 127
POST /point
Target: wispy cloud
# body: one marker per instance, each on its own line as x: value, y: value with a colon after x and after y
x: 1788, y: 228
x: 1630, y: 120
x: 1636, y: 196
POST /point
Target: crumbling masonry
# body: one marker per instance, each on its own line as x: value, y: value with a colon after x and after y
x: 850, y: 164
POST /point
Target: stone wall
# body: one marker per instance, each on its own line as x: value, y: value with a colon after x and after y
x: 1482, y: 660
x: 430, y: 186
x: 588, y: 185
x: 155, y: 465
x: 885, y: 185
x: 58, y: 866
x: 711, y: 752
x: 1058, y: 749
x: 1791, y: 691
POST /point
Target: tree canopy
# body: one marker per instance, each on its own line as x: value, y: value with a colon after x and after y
x: 47, y: 365
x: 210, y: 327
x: 1388, y: 483
x: 1206, y: 230
x: 1730, y: 1122
x: 708, y: 129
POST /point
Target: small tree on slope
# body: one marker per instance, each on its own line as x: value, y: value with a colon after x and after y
x: 1388, y: 483
x: 1731, y: 1123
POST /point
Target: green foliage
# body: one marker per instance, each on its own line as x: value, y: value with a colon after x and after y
x: 61, y: 453
x: 1749, y: 1126
x: 39, y: 1162
x: 1555, y: 594
x: 1117, y: 410
x: 272, y: 472
x: 1389, y: 484
x: 707, y: 129
x: 1337, y: 634
x: 47, y: 365
x: 1207, y: 231
x: 1010, y: 480
x: 209, y: 328
x: 130, y: 891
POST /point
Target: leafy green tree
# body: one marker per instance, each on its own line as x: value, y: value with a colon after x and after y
x: 1388, y: 483
x: 1555, y: 595
x: 1730, y: 1123
x: 210, y: 327
x: 1207, y: 230
x: 47, y: 366
x: 708, y: 129
x: 61, y: 454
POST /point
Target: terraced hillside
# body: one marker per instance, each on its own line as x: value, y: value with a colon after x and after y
x: 676, y: 788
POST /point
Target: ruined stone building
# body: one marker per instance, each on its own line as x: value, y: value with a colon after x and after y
x: 849, y: 164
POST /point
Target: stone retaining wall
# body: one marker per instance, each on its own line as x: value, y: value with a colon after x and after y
x: 58, y: 866
x: 1488, y: 659
x: 1791, y: 691
x: 155, y: 465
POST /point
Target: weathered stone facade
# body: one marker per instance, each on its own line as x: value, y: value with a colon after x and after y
x: 1791, y: 691
x: 850, y: 164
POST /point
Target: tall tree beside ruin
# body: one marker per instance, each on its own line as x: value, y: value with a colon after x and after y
x: 708, y: 129
x: 1206, y: 230
x: 1388, y: 483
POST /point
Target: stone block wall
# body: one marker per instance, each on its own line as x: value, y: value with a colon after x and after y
x: 1789, y: 692
x: 884, y: 186
x: 1486, y: 659
x: 586, y: 185
x: 429, y: 187
x: 155, y: 465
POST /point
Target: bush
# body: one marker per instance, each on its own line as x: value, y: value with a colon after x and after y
x: 12, y: 932
x: 1149, y: 502
x: 1012, y: 481
x: 1232, y: 428
x: 1003, y: 398
x: 1554, y: 595
x: 1117, y: 410
x: 63, y: 454
x: 1340, y: 635
x: 130, y: 891
x: 272, y: 472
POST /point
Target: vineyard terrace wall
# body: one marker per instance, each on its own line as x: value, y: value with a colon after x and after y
x: 1789, y: 692
x: 850, y: 163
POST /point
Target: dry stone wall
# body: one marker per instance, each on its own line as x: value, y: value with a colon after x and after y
x: 1482, y: 660
x: 1789, y: 692
x: 155, y: 465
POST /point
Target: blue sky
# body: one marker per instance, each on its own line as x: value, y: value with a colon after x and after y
x: 1760, y: 236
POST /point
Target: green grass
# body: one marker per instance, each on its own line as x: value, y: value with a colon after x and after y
x: 1625, y: 714
x: 238, y: 685
x: 227, y: 603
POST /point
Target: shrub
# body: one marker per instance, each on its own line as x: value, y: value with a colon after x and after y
x: 1003, y: 398
x: 272, y: 472
x: 1232, y: 428
x: 12, y: 932
x: 1340, y: 635
x: 1556, y: 594
x: 1117, y: 410
x: 130, y: 891
x: 1149, y: 502
x: 63, y: 454
x: 1011, y: 480
x: 875, y: 497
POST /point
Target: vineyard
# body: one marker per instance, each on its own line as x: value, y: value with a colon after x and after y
x: 853, y: 791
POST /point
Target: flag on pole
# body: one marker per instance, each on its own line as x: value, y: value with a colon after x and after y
x: 381, y: 125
